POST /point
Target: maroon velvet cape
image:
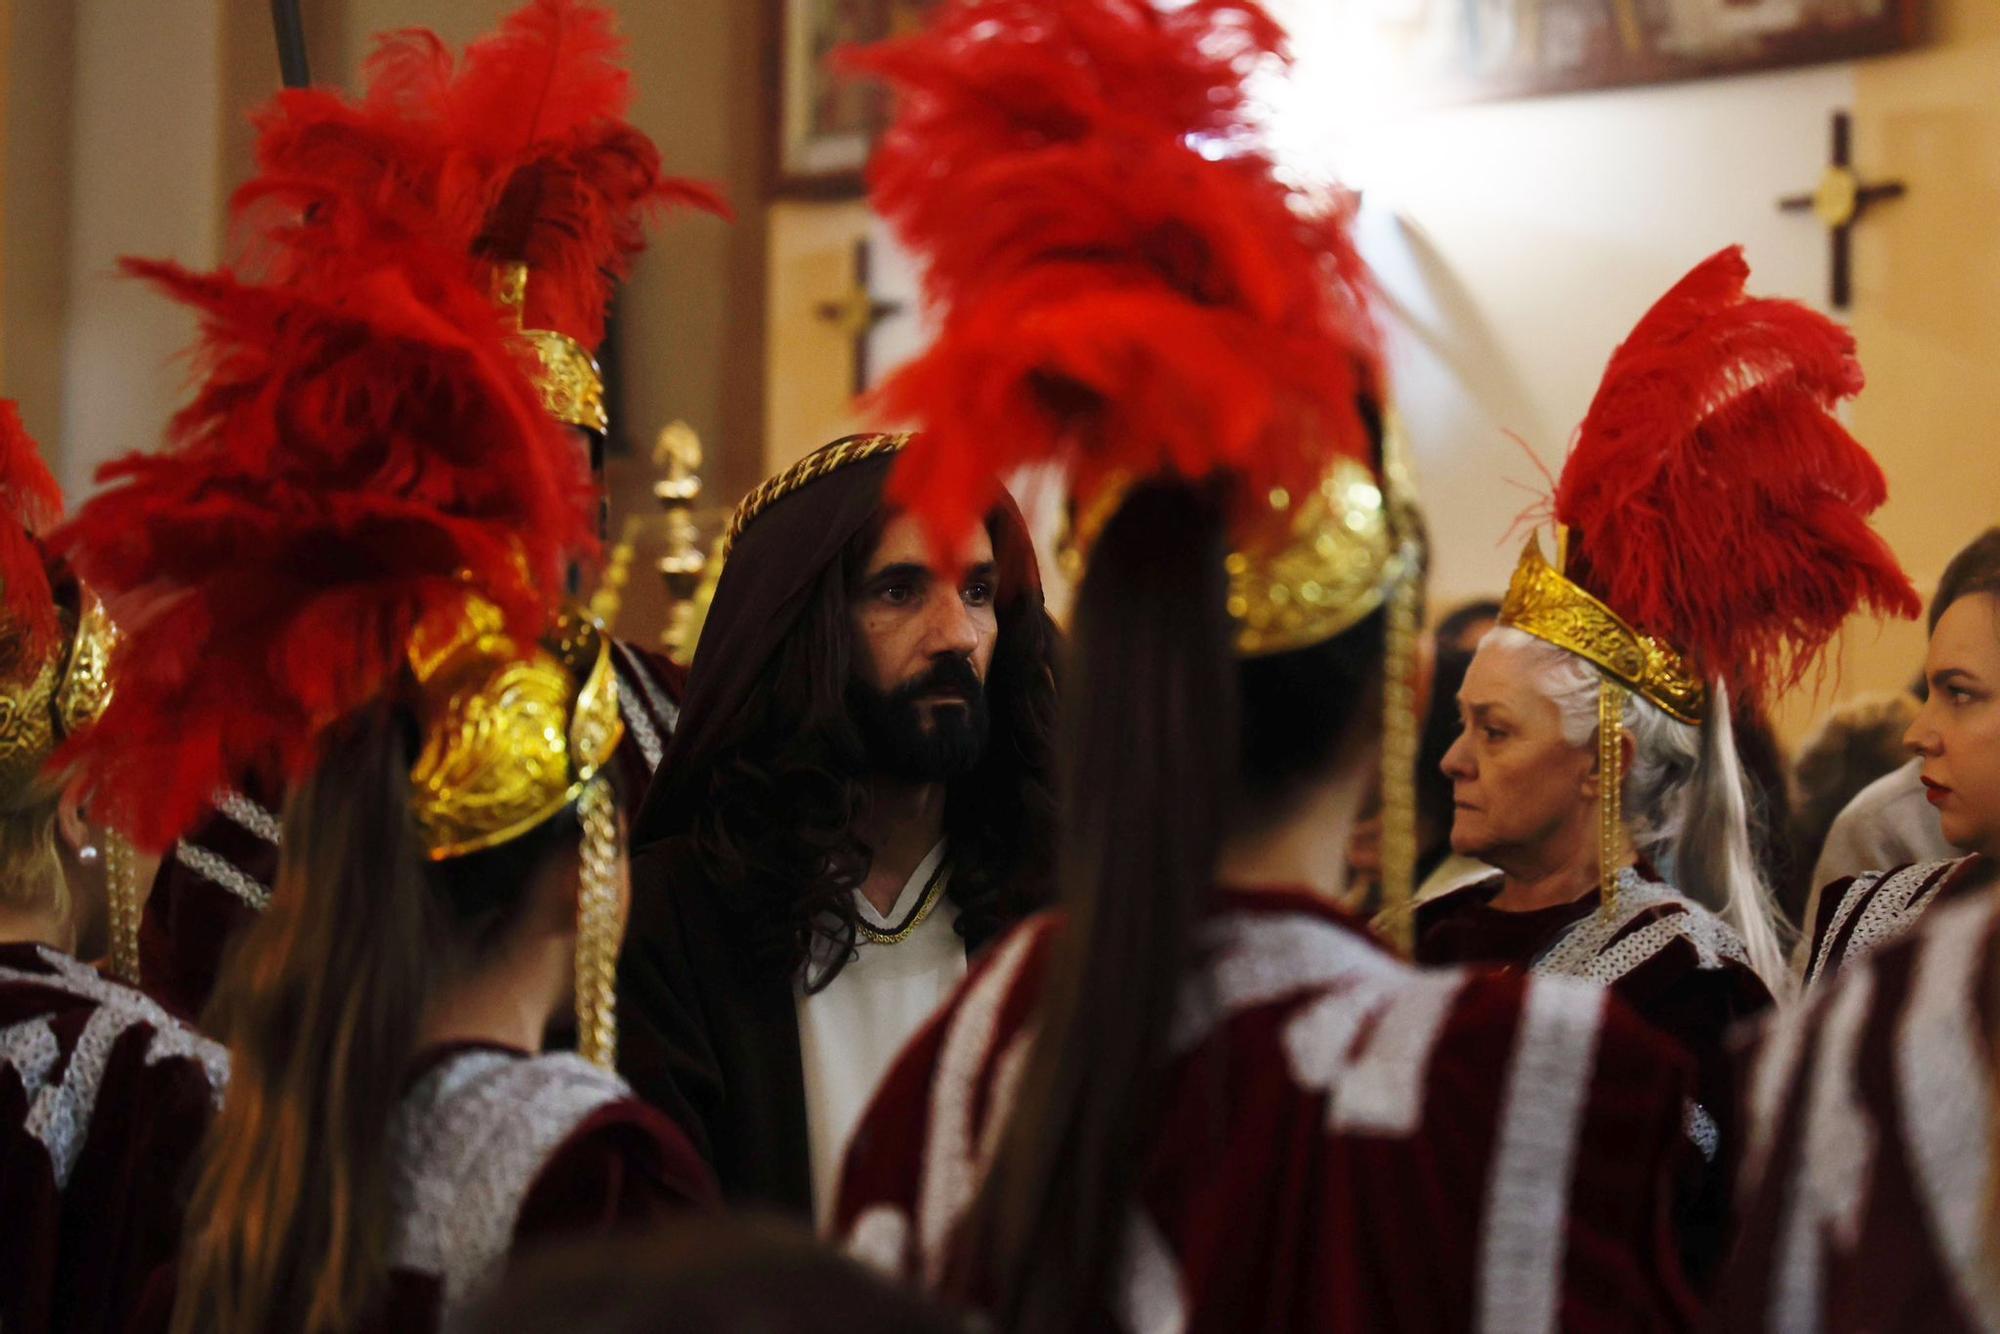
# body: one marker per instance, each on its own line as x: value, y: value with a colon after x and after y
x: 1345, y: 1142
x: 1862, y: 912
x: 104, y: 1100
x: 1867, y: 1173
x: 1681, y: 969
x: 499, y: 1153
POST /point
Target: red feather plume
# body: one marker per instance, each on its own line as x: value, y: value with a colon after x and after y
x: 519, y: 152
x: 32, y: 501
x: 361, y: 452
x: 1714, y: 499
x: 1122, y: 282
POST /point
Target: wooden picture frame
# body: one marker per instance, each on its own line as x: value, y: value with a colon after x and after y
x: 825, y: 124
x: 1483, y: 50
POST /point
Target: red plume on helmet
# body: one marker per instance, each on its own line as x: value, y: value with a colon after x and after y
x: 32, y: 503
x: 362, y: 451
x: 1122, y: 282
x: 1713, y: 498
x: 517, y: 152
x: 365, y: 446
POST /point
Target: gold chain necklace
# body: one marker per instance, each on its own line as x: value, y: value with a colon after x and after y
x: 933, y: 891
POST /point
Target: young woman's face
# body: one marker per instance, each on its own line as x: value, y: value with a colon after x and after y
x: 1957, y: 732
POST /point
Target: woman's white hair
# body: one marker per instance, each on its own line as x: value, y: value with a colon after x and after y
x: 1686, y: 803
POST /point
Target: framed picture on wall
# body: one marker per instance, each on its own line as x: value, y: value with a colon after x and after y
x: 827, y: 123
x: 1472, y: 50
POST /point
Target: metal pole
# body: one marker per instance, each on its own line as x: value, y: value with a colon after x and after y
x: 291, y: 43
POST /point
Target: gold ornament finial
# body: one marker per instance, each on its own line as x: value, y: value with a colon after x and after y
x: 677, y: 453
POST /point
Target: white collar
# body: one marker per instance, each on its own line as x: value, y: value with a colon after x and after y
x: 906, y: 899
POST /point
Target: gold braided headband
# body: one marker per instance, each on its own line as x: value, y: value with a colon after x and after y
x: 825, y: 459
x: 1541, y: 602
x: 571, y: 384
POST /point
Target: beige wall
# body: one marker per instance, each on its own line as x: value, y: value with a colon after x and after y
x: 145, y: 176
x: 1927, y: 285
x: 1518, y: 242
x: 809, y: 381
x: 125, y: 133
x: 34, y: 256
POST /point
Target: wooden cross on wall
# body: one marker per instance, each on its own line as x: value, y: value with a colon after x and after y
x: 1838, y: 201
x: 858, y: 312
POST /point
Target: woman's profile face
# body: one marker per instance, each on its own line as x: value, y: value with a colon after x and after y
x: 1522, y: 796
x: 1957, y: 732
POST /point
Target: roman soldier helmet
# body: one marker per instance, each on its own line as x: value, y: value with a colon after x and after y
x: 1711, y: 516
x: 55, y: 641
x: 371, y: 497
x: 1125, y: 286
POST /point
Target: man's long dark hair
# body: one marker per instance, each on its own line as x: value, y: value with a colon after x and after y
x: 1168, y: 744
x: 788, y: 781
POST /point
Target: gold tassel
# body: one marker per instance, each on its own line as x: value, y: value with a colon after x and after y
x: 121, y: 878
x: 1398, y: 918
x: 600, y: 927
x: 1610, y: 791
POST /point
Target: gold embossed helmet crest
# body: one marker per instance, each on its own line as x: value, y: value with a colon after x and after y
x: 566, y: 376
x: 510, y: 738
x: 1337, y: 555
x: 1541, y: 602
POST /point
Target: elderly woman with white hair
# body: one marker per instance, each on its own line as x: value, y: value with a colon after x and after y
x: 1712, y: 540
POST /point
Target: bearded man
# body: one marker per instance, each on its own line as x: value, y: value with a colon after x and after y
x: 858, y: 799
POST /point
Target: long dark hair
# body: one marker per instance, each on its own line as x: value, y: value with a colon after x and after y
x: 321, y: 1002
x: 786, y: 785
x: 1168, y: 742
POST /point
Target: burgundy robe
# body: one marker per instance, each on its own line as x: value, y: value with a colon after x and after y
x: 219, y: 877
x: 498, y: 1152
x: 104, y: 1099
x: 1868, y: 1168
x: 1862, y: 912
x: 1394, y: 1148
x: 1680, y: 967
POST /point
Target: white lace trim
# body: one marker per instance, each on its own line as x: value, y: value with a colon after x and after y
x: 1835, y: 1157
x: 636, y: 721
x: 471, y: 1138
x: 1255, y: 959
x: 247, y: 813
x: 668, y: 711
x: 59, y: 1113
x: 1888, y: 904
x: 1701, y: 1130
x: 1592, y: 948
x: 950, y: 1173
x: 221, y: 871
x: 1944, y: 1079
x: 1521, y: 1243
